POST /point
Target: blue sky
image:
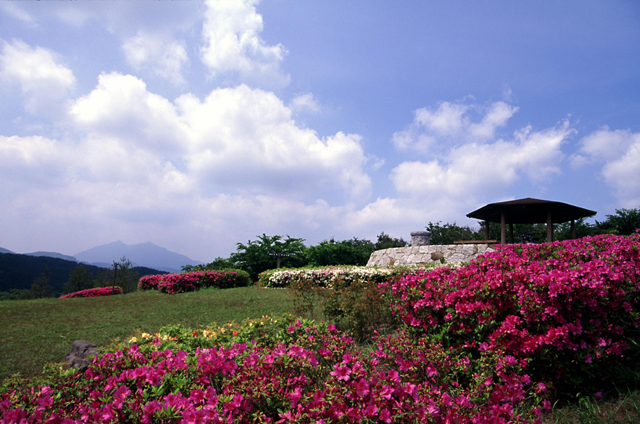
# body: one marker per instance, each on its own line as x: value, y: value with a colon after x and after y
x: 197, y: 125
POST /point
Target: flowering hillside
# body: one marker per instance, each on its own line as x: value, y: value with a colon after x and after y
x: 477, y: 347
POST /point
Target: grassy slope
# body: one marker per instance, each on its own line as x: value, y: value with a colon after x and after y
x: 34, y: 332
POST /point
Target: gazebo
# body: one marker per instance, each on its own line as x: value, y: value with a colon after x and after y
x: 529, y: 211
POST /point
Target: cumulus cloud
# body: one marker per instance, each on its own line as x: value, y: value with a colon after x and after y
x: 619, y: 153
x: 450, y: 123
x: 236, y: 138
x: 164, y: 58
x: 40, y: 74
x: 485, y: 167
x: 121, y: 108
x: 468, y: 165
x: 231, y: 32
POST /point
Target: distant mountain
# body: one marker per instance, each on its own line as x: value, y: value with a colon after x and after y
x: 143, y: 254
x: 51, y: 255
x: 5, y: 250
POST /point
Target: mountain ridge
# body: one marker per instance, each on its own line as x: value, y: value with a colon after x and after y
x: 144, y: 254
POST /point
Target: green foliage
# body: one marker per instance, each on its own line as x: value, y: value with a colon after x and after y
x: 79, y: 279
x: 385, y: 241
x: 14, y: 294
x: 448, y: 233
x: 218, y: 264
x: 40, y: 287
x: 360, y: 307
x: 351, y: 298
x: 120, y: 274
x: 262, y: 254
x: 624, y: 222
x: 346, y: 252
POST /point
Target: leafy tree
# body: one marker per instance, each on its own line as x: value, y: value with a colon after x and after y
x: 385, y: 241
x: 448, y: 233
x: 14, y: 294
x: 346, y: 252
x: 262, y: 254
x: 522, y: 233
x: 41, y: 287
x: 624, y: 221
x: 79, y: 279
x: 563, y: 231
x: 120, y: 274
x: 217, y: 264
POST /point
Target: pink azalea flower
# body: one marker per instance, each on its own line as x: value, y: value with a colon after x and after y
x: 341, y: 372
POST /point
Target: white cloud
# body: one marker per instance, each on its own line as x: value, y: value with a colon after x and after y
x: 451, y: 123
x: 233, y: 164
x: 619, y: 151
x: 43, y: 79
x: 231, y: 32
x: 468, y: 166
x: 236, y: 139
x: 151, y: 52
x: 12, y: 9
x: 304, y: 103
x: 121, y: 108
x: 246, y: 137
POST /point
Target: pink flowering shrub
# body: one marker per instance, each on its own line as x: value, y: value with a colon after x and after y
x: 149, y: 282
x: 194, y: 280
x: 317, y: 376
x: 95, y: 292
x: 559, y: 304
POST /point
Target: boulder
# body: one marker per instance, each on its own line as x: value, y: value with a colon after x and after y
x: 81, y: 354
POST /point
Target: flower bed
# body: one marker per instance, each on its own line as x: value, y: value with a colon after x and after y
x: 95, y: 292
x: 194, y: 280
x: 558, y: 304
x: 310, y: 373
x: 326, y: 276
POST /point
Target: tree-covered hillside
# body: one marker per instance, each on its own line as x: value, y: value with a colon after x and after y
x: 19, y: 271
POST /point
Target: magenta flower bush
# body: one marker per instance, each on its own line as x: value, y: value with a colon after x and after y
x: 559, y: 304
x: 95, y: 292
x: 194, y: 280
x: 317, y: 376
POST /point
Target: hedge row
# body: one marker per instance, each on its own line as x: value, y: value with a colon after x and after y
x: 326, y: 276
x: 194, y: 280
x: 95, y: 292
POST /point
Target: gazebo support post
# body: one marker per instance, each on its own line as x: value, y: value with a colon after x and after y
x: 503, y: 224
x: 511, y: 232
x: 549, y: 227
x: 486, y: 230
x: 573, y: 228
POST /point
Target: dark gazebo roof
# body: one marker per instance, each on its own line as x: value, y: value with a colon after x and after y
x: 530, y: 211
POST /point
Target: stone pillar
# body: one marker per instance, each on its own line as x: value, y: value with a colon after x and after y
x: 420, y: 238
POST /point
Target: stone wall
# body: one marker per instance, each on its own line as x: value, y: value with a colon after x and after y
x: 415, y: 255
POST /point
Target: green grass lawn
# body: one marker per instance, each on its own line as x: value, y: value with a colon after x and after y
x: 35, y: 332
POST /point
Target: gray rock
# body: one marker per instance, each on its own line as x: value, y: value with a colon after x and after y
x: 81, y: 354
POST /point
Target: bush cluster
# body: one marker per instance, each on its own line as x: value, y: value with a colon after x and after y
x: 306, y: 373
x: 348, y: 296
x: 325, y: 276
x: 565, y: 307
x: 95, y: 292
x: 194, y: 280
